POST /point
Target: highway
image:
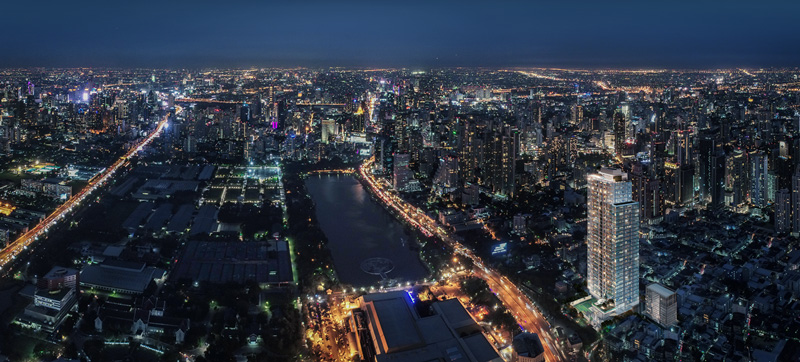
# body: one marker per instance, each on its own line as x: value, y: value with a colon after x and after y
x: 528, y: 317
x: 12, y: 250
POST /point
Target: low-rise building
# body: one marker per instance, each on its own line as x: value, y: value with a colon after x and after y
x: 527, y: 348
x: 119, y: 277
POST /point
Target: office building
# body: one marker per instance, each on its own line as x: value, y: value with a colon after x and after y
x: 783, y: 211
x: 58, y: 278
x: 328, y: 128
x: 759, y: 179
x: 661, y: 304
x: 446, y: 177
x: 796, y: 202
x: 402, y: 173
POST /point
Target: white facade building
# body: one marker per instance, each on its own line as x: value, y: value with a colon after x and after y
x: 662, y: 304
x: 612, y: 241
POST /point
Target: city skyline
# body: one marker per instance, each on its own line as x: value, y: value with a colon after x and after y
x: 580, y: 215
x: 369, y: 181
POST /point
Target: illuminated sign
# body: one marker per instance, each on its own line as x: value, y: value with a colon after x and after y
x: 501, y: 248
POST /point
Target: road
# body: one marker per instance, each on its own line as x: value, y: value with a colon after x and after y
x: 514, y: 299
x: 10, y: 252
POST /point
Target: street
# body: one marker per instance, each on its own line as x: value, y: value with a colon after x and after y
x: 514, y: 299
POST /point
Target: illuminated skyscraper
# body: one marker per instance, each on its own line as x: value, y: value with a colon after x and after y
x: 402, y: 174
x: 619, y: 133
x: 328, y: 128
x: 737, y: 178
x: 613, y: 240
x: 446, y: 177
x: 759, y: 179
x: 796, y: 202
x: 500, y: 161
x: 783, y: 211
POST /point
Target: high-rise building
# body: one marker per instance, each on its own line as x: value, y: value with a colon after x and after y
x: 402, y: 174
x: 661, y: 304
x: 759, y: 179
x: 471, y: 195
x: 646, y: 191
x: 328, y: 128
x: 796, y: 202
x: 446, y: 177
x: 613, y: 240
x: 471, y: 150
x: 501, y: 159
x: 711, y: 175
x: 737, y: 178
x: 783, y: 211
x: 678, y: 183
x: 619, y: 133
x: 576, y: 114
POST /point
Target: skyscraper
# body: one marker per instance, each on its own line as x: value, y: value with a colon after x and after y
x: 402, y: 174
x: 796, y: 202
x: 759, y: 179
x: 328, y: 128
x: 613, y: 240
x: 619, y: 133
x: 711, y: 162
x: 446, y: 177
x: 737, y: 178
x: 501, y: 159
x: 783, y: 211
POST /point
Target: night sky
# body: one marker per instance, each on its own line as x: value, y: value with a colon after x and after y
x: 232, y: 33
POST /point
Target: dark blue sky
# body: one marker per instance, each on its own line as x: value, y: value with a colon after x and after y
x: 168, y: 33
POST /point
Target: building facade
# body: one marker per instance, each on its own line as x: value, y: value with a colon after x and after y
x: 613, y: 240
x: 661, y: 304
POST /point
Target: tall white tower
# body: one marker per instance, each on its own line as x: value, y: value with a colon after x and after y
x: 613, y: 240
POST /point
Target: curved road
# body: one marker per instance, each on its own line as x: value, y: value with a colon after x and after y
x: 10, y: 252
x: 514, y: 299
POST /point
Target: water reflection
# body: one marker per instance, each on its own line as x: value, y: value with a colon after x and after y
x: 359, y: 229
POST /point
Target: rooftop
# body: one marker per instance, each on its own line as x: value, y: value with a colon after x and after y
x: 402, y: 335
x: 528, y: 345
x: 660, y: 289
x: 120, y: 276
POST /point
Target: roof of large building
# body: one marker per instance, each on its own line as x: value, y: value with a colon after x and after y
x: 180, y: 221
x: 224, y: 262
x: 126, y: 277
x: 480, y: 348
x: 400, y: 334
x: 205, y: 221
x: 454, y: 313
x: 395, y: 321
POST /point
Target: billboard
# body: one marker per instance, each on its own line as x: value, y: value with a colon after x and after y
x: 500, y: 249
